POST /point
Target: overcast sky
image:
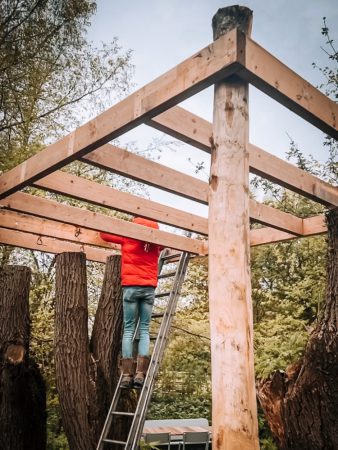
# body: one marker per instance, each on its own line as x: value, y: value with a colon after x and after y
x: 162, y: 33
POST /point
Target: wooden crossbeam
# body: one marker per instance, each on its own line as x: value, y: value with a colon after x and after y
x: 51, y: 245
x: 98, y: 194
x: 274, y: 78
x: 61, y: 231
x: 311, y: 227
x: 314, y: 225
x: 50, y: 228
x: 213, y: 63
x: 125, y: 163
x: 194, y: 130
x: 138, y: 168
x: 53, y: 210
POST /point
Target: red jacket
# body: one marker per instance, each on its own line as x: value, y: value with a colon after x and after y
x: 139, y: 259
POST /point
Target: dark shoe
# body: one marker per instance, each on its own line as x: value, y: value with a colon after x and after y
x: 141, y: 370
x: 128, y: 370
x: 126, y: 382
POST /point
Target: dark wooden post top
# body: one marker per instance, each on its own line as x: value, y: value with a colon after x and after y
x: 230, y: 17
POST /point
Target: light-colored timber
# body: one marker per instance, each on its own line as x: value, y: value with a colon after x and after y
x: 196, y: 131
x: 202, y: 69
x: 271, y: 76
x: 76, y: 187
x: 51, y: 228
x: 53, y: 210
x: 234, y: 410
x: 51, y: 245
x: 63, y: 231
x: 98, y: 194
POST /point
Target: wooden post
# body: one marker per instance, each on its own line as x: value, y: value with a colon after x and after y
x: 234, y: 414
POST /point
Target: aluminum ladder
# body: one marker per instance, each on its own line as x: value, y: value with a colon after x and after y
x: 138, y: 416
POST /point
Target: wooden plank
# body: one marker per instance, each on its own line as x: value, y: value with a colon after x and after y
x: 314, y: 225
x: 117, y: 160
x: 133, y: 166
x: 98, y: 194
x: 267, y: 215
x: 51, y: 245
x: 53, y: 210
x: 274, y: 78
x: 45, y: 227
x: 210, y: 64
x: 194, y: 130
x: 311, y: 227
x: 291, y: 177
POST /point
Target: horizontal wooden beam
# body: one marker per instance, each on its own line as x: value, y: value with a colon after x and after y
x: 130, y: 165
x: 51, y: 245
x: 98, y: 194
x: 204, y: 68
x: 53, y: 210
x: 138, y: 168
x: 45, y: 227
x: 274, y: 78
x: 266, y: 235
x: 314, y: 225
x: 194, y: 130
x: 38, y: 227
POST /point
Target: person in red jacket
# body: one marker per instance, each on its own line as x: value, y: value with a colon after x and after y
x: 139, y: 274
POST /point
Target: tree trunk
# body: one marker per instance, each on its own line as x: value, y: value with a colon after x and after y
x: 86, y: 376
x: 105, y: 342
x: 22, y: 390
x: 301, y: 404
x: 75, y: 372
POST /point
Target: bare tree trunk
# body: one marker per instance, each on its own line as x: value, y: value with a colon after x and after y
x: 105, y: 342
x: 22, y: 390
x: 75, y: 372
x: 87, y: 375
x: 301, y: 404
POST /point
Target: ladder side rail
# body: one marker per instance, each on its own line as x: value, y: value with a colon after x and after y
x: 109, y: 417
x: 160, y: 344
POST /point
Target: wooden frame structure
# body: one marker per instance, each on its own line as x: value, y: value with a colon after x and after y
x: 38, y: 223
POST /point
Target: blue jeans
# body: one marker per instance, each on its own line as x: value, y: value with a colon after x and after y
x: 137, y: 302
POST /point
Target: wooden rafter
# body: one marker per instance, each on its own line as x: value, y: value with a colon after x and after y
x: 204, y: 68
x: 98, y: 194
x: 201, y: 70
x: 50, y: 228
x: 53, y: 210
x: 90, y: 191
x: 194, y: 130
x: 130, y: 165
x: 311, y: 227
x: 152, y: 173
x: 61, y: 231
x: 51, y: 245
x: 274, y: 78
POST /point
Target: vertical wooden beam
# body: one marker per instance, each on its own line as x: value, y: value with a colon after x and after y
x: 234, y: 414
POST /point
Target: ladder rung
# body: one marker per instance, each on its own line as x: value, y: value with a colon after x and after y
x: 167, y: 275
x: 163, y: 294
x: 174, y: 256
x: 112, y: 441
x: 155, y: 315
x: 121, y: 413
